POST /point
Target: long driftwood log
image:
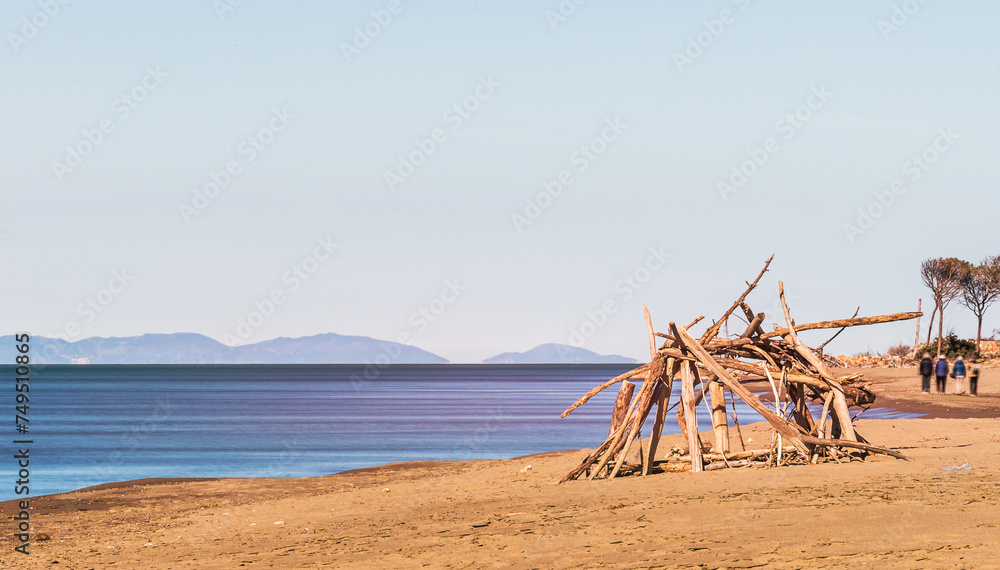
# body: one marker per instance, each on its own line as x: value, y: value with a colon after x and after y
x: 819, y: 325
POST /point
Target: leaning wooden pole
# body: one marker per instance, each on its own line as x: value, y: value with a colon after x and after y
x: 621, y: 406
x: 839, y: 400
x: 714, y: 329
x: 635, y: 372
x: 642, y: 411
x: 619, y: 440
x: 720, y: 425
x: 632, y: 423
x: 651, y: 332
x: 662, y: 399
x: 690, y: 417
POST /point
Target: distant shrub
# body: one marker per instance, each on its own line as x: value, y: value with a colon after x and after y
x: 899, y: 350
x: 951, y: 346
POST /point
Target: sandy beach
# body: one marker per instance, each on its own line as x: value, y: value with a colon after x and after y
x: 881, y: 512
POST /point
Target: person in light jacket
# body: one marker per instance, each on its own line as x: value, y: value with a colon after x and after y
x: 941, y: 371
x: 926, y: 370
x: 959, y: 371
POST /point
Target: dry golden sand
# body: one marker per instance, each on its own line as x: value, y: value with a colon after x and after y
x: 881, y: 512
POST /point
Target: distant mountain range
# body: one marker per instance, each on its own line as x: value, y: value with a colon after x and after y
x: 329, y: 348
x: 191, y: 348
x: 553, y: 353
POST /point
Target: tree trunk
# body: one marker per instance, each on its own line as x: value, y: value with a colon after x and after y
x: 940, y: 329
x: 930, y: 326
x: 979, y: 332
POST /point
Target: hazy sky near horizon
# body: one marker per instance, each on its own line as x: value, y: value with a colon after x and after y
x: 482, y: 177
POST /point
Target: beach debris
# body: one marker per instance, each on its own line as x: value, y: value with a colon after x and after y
x: 386, y: 490
x: 708, y: 368
x: 963, y: 467
x: 279, y: 522
x: 526, y: 468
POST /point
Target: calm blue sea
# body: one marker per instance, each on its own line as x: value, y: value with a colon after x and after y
x: 97, y: 424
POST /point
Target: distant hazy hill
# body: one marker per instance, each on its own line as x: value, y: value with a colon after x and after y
x: 191, y: 348
x: 553, y: 353
x: 334, y: 349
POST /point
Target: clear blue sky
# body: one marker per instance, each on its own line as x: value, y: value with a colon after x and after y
x: 666, y: 99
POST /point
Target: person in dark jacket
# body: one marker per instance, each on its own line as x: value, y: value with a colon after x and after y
x: 926, y: 370
x: 974, y: 377
x: 958, y: 371
x: 941, y: 371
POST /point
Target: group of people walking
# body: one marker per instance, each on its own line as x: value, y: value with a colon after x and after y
x: 940, y: 369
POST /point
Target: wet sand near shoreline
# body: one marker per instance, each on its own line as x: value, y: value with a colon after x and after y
x: 483, y: 514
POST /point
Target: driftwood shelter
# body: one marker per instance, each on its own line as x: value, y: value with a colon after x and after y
x: 708, y: 368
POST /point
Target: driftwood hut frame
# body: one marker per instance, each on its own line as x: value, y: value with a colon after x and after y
x: 707, y: 368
